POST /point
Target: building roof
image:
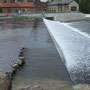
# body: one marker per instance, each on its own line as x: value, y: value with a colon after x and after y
x: 17, y: 4
x: 10, y: 5
x: 56, y: 2
x: 25, y: 4
x: 40, y: 4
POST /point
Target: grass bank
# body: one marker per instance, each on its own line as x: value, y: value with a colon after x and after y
x: 21, y: 18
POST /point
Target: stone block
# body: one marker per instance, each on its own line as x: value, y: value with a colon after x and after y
x: 5, y: 84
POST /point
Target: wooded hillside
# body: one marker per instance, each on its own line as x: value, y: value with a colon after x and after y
x: 84, y: 5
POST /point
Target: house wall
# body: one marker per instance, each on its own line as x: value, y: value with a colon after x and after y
x: 65, y: 8
x: 74, y: 4
x: 4, y: 10
x: 25, y: 0
x: 59, y: 8
x: 53, y: 8
x: 15, y: 10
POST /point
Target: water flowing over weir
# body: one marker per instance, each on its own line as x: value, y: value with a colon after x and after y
x: 75, y: 49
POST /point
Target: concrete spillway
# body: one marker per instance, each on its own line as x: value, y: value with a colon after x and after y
x: 73, y: 47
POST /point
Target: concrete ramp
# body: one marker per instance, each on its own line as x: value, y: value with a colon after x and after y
x: 74, y: 48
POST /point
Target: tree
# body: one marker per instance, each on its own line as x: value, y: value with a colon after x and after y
x: 84, y: 6
x: 77, y: 1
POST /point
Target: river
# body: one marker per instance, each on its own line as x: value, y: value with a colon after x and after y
x: 43, y: 63
x: 43, y: 66
x: 83, y: 26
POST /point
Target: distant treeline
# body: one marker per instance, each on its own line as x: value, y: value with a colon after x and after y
x: 84, y: 5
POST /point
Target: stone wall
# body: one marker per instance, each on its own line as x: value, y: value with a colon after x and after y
x: 53, y: 8
x: 15, y: 10
x: 69, y: 17
x: 74, y: 4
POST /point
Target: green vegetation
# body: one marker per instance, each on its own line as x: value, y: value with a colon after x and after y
x: 20, y: 18
x: 84, y: 5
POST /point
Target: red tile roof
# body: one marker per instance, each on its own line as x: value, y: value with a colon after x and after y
x: 41, y: 4
x: 10, y: 5
x: 25, y: 4
x: 17, y: 4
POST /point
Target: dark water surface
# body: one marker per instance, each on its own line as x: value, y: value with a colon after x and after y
x: 43, y: 64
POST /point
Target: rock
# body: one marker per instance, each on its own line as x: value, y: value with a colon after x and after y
x: 23, y: 48
x: 9, y: 75
x: 14, y: 70
x: 20, y: 55
x: 22, y: 58
x: 5, y: 84
x: 15, y: 66
x: 21, y: 52
x: 20, y: 62
x: 36, y: 87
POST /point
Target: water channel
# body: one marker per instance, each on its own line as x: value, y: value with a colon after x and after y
x: 43, y: 64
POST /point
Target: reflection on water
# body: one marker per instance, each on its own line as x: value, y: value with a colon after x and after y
x: 11, y: 40
x: 43, y: 64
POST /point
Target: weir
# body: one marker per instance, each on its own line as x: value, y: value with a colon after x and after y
x: 73, y: 47
x: 63, y: 17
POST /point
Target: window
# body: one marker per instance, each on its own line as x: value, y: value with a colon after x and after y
x: 5, y: 1
x: 73, y: 8
x: 16, y: 10
x: 8, y: 9
x: 1, y: 10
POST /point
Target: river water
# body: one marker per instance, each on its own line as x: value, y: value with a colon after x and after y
x: 11, y: 40
x: 43, y: 64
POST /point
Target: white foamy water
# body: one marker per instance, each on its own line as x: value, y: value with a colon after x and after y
x: 77, y: 30
x: 75, y: 46
x: 87, y: 15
